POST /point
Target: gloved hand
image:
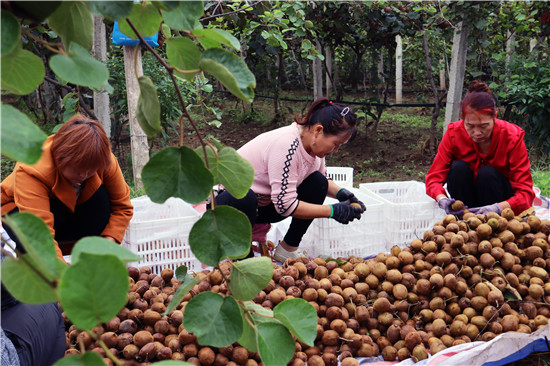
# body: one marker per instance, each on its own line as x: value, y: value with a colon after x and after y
x: 495, y: 207
x: 344, y: 213
x: 445, y: 203
x: 344, y: 195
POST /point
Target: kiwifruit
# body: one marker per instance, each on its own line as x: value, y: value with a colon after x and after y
x: 330, y: 337
x: 379, y: 270
x: 506, y: 236
x: 148, y: 352
x: 239, y: 355
x: 412, y: 340
x: 403, y: 353
x: 510, y: 323
x: 128, y: 326
x: 206, y: 356
x: 381, y: 305
x: 130, y: 352
x: 507, y: 213
x: 484, y: 231
x: 349, y: 361
x: 538, y: 272
x: 536, y: 291
x: 389, y: 353
x: 457, y: 205
x: 419, y: 353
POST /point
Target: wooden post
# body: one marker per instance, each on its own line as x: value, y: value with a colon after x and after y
x: 456, y: 74
x: 398, y: 70
x: 101, y: 99
x: 138, y: 139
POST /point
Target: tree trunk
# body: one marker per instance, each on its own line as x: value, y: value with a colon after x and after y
x: 279, y: 64
x: 510, y: 48
x: 317, y: 74
x: 398, y: 70
x: 456, y: 74
x: 101, y: 99
x: 328, y: 63
x: 138, y: 139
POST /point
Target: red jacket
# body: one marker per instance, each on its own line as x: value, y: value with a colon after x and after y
x: 507, y: 154
x: 29, y: 187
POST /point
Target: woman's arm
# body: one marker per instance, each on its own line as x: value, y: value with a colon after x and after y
x: 306, y: 210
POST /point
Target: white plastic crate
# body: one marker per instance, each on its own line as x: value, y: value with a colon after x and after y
x: 408, y: 212
x: 342, y: 176
x: 328, y: 238
x: 159, y: 234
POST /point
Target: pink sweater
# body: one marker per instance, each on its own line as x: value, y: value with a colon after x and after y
x: 280, y: 165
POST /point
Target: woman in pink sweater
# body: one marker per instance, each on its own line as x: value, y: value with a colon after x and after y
x: 290, y: 175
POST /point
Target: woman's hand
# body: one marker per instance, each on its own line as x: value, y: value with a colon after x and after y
x: 495, y: 207
x: 345, y: 195
x: 111, y: 239
x: 344, y: 213
x: 446, y: 204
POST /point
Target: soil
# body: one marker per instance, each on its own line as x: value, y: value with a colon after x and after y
x: 394, y: 152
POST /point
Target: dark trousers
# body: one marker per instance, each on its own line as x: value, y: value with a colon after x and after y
x: 36, y: 331
x: 312, y: 190
x: 489, y: 187
x: 89, y: 219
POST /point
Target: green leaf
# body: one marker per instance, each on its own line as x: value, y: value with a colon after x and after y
x: 11, y: 33
x: 275, y: 343
x: 233, y: 171
x: 79, y: 67
x: 115, y: 10
x: 231, y: 71
x: 148, y: 107
x: 24, y: 283
x: 213, y: 37
x: 21, y: 139
x: 99, y: 245
x: 89, y: 358
x: 184, y: 54
x: 227, y: 232
x: 22, y: 72
x: 300, y: 317
x: 181, y: 272
x: 250, y: 276
x: 255, y: 314
x: 145, y: 17
x: 188, y: 283
x: 93, y: 290
x: 37, y: 240
x: 74, y: 22
x: 184, y: 16
x: 177, y: 172
x: 214, y: 319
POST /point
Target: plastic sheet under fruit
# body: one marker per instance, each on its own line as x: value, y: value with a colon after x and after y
x: 506, y: 348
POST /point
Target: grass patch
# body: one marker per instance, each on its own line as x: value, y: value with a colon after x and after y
x: 542, y: 180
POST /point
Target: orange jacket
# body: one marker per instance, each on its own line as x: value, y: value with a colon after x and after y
x: 30, y: 187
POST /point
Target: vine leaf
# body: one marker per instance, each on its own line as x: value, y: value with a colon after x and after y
x: 300, y: 317
x: 255, y: 314
x: 34, y: 235
x: 93, y: 290
x: 184, y: 16
x: 24, y: 284
x: 231, y: 71
x: 148, y: 107
x: 115, y: 10
x: 11, y: 33
x: 177, y: 172
x: 214, y: 37
x: 146, y: 19
x: 74, y: 22
x: 250, y: 276
x: 230, y: 169
x: 275, y: 343
x: 188, y: 283
x: 22, y: 72
x: 79, y: 67
x: 89, y: 358
x: 184, y: 54
x: 21, y: 139
x: 99, y: 245
x: 214, y: 319
x: 227, y: 232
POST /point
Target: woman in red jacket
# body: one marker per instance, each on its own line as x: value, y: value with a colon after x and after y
x: 76, y: 187
x: 482, y: 159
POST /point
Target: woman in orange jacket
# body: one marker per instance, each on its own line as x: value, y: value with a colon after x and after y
x: 76, y: 187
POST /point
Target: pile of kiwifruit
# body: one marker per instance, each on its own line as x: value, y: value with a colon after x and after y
x: 468, y: 279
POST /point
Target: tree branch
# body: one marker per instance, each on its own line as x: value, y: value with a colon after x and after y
x: 231, y: 12
x: 80, y: 99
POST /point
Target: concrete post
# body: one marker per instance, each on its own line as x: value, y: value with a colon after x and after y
x: 398, y: 70
x: 456, y: 73
x: 317, y: 73
x: 328, y: 60
x: 138, y: 139
x: 101, y: 99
